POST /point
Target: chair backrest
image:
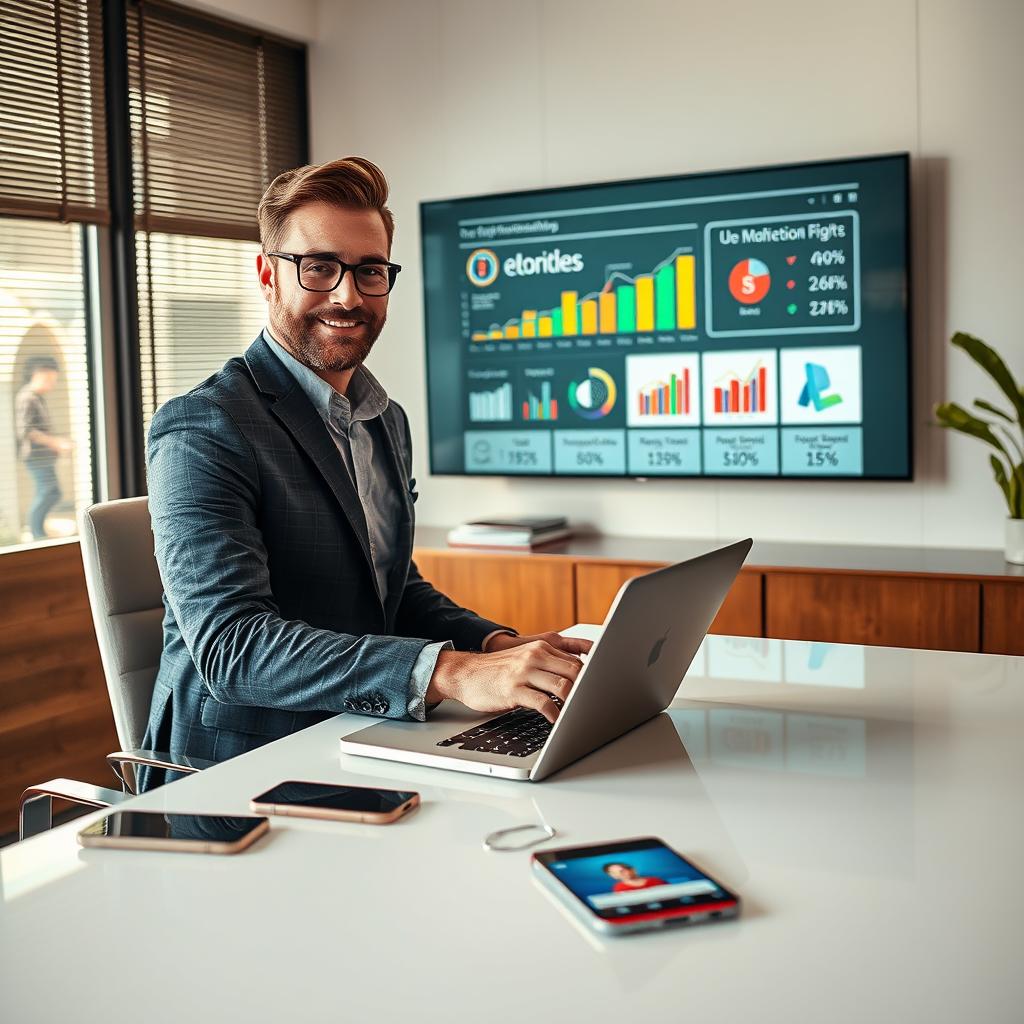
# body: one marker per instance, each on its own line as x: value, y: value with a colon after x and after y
x: 126, y: 597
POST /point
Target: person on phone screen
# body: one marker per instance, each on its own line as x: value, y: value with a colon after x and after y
x: 626, y: 878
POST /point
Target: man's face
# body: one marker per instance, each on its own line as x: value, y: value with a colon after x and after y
x: 326, y: 330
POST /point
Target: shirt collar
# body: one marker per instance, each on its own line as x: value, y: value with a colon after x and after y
x: 365, y: 400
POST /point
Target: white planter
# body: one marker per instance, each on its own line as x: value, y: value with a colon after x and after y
x: 1015, y: 541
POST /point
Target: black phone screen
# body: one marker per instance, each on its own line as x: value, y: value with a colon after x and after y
x: 335, y: 798
x: 203, y: 828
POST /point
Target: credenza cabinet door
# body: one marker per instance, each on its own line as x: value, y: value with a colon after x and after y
x: 888, y: 611
x: 1002, y: 618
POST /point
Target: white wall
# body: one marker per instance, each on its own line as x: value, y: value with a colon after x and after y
x: 481, y: 95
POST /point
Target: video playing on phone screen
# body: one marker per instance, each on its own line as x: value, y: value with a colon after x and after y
x: 637, y: 877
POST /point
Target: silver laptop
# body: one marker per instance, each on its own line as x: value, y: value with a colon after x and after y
x: 651, y: 633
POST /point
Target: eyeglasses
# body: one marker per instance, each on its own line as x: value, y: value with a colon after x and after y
x: 325, y: 273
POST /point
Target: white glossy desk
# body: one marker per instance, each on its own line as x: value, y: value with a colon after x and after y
x: 865, y: 802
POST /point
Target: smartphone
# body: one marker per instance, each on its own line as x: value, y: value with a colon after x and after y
x: 335, y: 803
x: 633, y: 885
x: 184, y: 833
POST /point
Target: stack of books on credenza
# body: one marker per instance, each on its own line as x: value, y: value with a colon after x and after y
x: 510, y: 534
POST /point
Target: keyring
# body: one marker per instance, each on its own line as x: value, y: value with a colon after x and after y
x: 491, y: 840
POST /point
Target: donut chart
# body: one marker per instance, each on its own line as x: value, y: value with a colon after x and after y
x: 749, y: 281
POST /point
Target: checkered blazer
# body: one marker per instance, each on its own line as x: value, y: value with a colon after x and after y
x: 273, y: 619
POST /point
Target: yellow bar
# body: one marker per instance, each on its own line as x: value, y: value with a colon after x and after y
x: 529, y: 328
x: 607, y: 301
x: 545, y: 327
x: 686, y: 311
x: 645, y: 303
x: 529, y: 314
x: 569, y: 313
x: 495, y: 334
x: 588, y: 316
x: 511, y: 330
x: 479, y: 335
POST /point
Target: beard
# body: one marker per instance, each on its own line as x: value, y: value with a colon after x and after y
x: 316, y: 345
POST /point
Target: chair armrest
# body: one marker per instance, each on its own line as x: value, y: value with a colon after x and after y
x: 124, y: 762
x: 35, y: 813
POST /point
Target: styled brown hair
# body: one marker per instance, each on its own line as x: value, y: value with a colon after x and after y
x: 350, y: 181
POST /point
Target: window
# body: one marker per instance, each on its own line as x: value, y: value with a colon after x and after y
x: 164, y: 181
x: 46, y: 473
x: 216, y: 113
x: 53, y: 190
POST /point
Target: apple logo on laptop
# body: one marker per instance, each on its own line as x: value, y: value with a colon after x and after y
x: 656, y: 649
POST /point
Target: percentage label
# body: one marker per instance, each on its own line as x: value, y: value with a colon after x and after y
x: 664, y: 459
x: 827, y: 283
x: 822, y: 459
x: 518, y: 458
x: 828, y: 257
x: 829, y: 307
x: 589, y: 459
x: 740, y: 459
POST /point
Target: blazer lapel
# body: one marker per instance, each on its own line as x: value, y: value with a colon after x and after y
x: 303, y: 422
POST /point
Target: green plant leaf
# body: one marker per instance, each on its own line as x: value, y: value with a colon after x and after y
x: 992, y: 409
x: 991, y: 362
x: 999, y: 472
x: 1018, y: 474
x: 1015, y: 496
x: 955, y: 417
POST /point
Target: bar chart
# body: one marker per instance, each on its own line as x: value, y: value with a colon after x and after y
x: 663, y: 300
x: 662, y: 390
x: 740, y: 387
x: 733, y: 395
x: 543, y: 408
x: 491, y: 406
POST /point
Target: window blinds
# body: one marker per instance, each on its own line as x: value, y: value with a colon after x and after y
x: 53, y: 142
x: 217, y: 112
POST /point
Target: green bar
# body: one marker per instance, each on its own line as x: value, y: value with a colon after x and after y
x: 672, y: 395
x: 556, y: 323
x: 625, y: 308
x: 665, y: 298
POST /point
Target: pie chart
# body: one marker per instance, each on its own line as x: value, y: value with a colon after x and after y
x: 594, y: 396
x: 749, y: 281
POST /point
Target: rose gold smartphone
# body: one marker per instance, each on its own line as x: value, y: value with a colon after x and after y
x: 335, y: 803
x: 183, y: 833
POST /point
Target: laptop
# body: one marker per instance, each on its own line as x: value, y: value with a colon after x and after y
x: 651, y: 633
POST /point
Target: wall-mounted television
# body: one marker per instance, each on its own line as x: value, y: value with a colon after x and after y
x: 748, y: 323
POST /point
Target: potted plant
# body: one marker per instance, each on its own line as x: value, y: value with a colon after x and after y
x: 1003, y: 430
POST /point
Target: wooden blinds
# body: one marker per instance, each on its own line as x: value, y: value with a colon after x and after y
x: 53, y: 139
x: 216, y: 113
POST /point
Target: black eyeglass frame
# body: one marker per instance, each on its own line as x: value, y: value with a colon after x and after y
x: 393, y: 271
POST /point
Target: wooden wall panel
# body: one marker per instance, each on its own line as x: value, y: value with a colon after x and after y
x: 530, y: 593
x: 1002, y: 619
x: 889, y: 611
x: 55, y: 717
x: 598, y: 583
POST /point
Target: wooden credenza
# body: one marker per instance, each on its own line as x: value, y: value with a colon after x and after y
x: 890, y: 597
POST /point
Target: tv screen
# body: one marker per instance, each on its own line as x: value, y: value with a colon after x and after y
x: 749, y: 323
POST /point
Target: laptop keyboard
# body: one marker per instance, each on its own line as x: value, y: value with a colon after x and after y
x: 517, y: 733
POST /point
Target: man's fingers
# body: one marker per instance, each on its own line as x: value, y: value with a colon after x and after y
x: 528, y: 697
x: 548, y: 683
x: 571, y: 644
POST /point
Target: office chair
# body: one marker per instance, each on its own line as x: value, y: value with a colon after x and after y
x: 126, y: 598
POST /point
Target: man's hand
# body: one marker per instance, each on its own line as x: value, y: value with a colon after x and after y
x: 516, y: 671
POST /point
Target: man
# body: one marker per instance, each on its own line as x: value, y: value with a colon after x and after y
x: 38, y: 446
x: 281, y: 495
